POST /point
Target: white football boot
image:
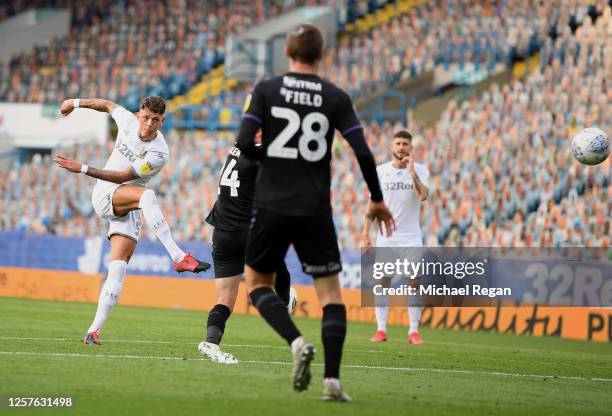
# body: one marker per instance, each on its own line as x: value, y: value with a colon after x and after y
x: 293, y: 298
x: 215, y: 354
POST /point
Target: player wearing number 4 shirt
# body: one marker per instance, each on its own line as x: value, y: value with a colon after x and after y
x: 298, y: 114
x: 120, y: 194
x: 405, y: 184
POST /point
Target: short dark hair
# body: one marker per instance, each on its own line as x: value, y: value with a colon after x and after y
x: 305, y: 44
x: 154, y: 103
x: 403, y: 134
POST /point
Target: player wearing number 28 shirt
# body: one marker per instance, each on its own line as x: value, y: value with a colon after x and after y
x: 299, y: 113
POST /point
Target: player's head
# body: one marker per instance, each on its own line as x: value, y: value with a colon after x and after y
x: 304, y: 44
x: 151, y: 116
x: 401, y: 145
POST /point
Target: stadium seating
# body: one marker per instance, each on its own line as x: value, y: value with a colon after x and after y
x: 11, y: 8
x: 494, y: 161
x: 437, y: 33
x: 410, y: 40
x: 124, y: 52
x: 501, y: 171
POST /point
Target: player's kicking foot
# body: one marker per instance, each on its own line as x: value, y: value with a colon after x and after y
x: 332, y: 391
x: 215, y: 354
x: 293, y: 298
x: 92, y: 338
x: 191, y: 264
x: 302, y: 357
x: 379, y: 336
x: 415, y: 339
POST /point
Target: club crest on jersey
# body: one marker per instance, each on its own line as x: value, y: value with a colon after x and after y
x: 141, y: 153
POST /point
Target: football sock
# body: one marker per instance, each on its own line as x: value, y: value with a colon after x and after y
x: 282, y: 292
x: 381, y: 317
x: 156, y: 221
x: 282, y: 283
x: 414, y: 313
x: 109, y: 295
x: 272, y: 308
x: 333, y: 332
x: 216, y: 323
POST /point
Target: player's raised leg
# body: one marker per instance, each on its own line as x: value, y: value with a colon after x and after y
x: 140, y: 153
x: 122, y: 248
x: 129, y: 197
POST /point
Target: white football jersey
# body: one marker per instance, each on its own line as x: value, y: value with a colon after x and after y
x: 403, y: 202
x: 145, y: 158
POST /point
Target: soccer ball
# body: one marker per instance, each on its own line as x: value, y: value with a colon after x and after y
x: 591, y: 146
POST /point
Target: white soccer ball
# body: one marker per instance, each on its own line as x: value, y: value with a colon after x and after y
x: 591, y: 146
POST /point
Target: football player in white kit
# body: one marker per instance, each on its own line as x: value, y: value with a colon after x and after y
x: 120, y: 194
x: 404, y: 184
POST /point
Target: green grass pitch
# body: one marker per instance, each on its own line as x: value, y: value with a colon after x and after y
x: 149, y: 364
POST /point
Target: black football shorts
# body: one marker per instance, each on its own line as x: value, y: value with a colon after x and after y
x: 228, y: 249
x: 228, y: 256
x: 313, y: 237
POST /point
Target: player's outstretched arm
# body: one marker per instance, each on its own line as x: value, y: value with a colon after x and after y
x: 105, y: 175
x: 97, y: 104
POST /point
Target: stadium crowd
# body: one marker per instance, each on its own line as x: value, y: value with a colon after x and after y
x: 432, y: 33
x: 124, y: 52
x: 131, y: 49
x: 502, y: 174
x: 439, y: 32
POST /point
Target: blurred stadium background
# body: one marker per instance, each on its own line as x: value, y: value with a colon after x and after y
x: 491, y: 90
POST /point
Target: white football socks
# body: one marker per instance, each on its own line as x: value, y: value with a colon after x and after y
x: 156, y: 221
x: 414, y: 313
x: 109, y: 295
x: 381, y: 317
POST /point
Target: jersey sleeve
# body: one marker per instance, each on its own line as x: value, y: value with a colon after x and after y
x: 151, y: 164
x: 125, y: 119
x: 252, y: 120
x: 423, y: 174
x: 254, y: 105
x: 346, y: 119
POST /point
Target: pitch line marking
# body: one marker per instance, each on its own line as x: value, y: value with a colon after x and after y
x: 368, y: 367
x: 137, y: 341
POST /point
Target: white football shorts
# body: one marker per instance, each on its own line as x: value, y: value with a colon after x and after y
x: 127, y: 225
